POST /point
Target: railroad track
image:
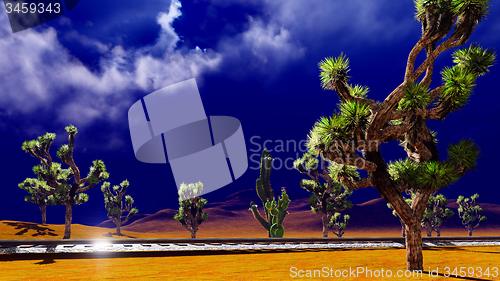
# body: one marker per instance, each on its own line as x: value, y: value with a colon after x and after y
x: 30, y: 249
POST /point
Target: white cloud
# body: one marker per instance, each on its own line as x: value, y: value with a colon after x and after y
x: 265, y: 47
x: 38, y: 73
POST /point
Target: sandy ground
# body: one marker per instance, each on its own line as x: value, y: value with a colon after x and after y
x: 251, y: 266
x: 12, y: 230
x: 261, y: 266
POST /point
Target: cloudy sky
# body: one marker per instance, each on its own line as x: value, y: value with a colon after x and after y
x: 255, y: 60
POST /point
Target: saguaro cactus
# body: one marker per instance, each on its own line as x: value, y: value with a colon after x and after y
x: 275, y: 210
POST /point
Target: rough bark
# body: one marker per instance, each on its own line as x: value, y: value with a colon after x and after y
x: 43, y: 211
x: 429, y: 232
x: 118, y: 228
x: 413, y: 241
x: 324, y: 222
x: 67, y: 221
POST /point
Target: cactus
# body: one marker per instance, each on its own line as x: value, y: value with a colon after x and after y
x: 275, y: 210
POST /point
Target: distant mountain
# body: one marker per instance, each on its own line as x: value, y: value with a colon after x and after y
x: 232, y: 213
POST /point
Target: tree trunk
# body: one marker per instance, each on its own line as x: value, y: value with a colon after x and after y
x: 324, y: 222
x: 118, y: 229
x: 438, y: 232
x: 429, y: 232
x: 67, y: 221
x: 193, y: 234
x: 469, y: 232
x: 43, y: 211
x: 414, y: 257
x: 403, y: 233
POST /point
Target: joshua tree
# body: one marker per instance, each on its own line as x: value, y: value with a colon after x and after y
x: 118, y: 205
x: 435, y: 214
x: 66, y: 185
x: 328, y: 197
x: 352, y: 137
x: 275, y: 210
x: 39, y: 193
x: 470, y: 212
x: 338, y: 224
x: 190, y: 213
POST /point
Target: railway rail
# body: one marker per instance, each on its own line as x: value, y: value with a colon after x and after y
x: 36, y: 249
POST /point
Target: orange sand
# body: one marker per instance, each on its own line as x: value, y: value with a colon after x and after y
x: 258, y: 266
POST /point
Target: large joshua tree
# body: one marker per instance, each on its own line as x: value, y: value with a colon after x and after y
x: 67, y: 186
x: 352, y: 137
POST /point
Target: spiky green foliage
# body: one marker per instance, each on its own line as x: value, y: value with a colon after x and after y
x: 474, y: 9
x: 474, y: 59
x: 424, y: 7
x: 404, y: 172
x: 337, y: 171
x: 470, y: 212
x: 354, y: 115
x: 66, y: 185
x: 275, y: 210
x: 326, y: 131
x: 358, y: 91
x: 458, y: 86
x: 463, y: 155
x: 40, y: 194
x: 190, y: 213
x: 435, y: 214
x: 118, y: 205
x: 416, y: 97
x: 431, y: 175
x: 333, y: 71
x: 338, y: 224
x: 435, y: 175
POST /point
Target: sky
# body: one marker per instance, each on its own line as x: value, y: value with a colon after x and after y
x: 255, y: 60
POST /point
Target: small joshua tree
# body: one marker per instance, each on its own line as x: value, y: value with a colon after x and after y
x: 275, y: 210
x: 338, y: 224
x: 436, y: 214
x: 118, y: 205
x: 67, y: 186
x: 190, y: 213
x: 470, y: 212
x: 40, y: 194
x: 328, y: 197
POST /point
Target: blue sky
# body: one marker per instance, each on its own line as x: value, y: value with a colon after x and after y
x: 255, y: 60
